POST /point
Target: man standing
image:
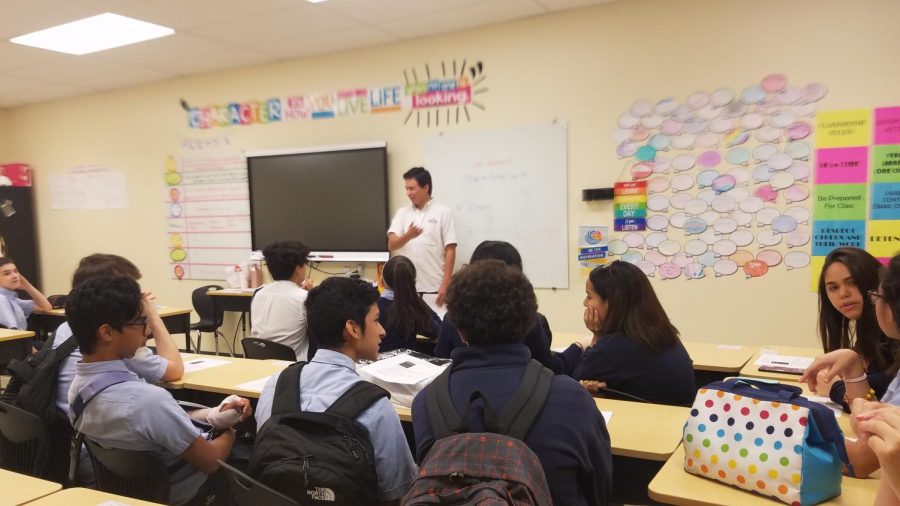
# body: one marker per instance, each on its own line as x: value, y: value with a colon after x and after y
x: 424, y: 233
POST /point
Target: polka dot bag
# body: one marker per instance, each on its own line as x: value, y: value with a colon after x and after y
x: 766, y: 438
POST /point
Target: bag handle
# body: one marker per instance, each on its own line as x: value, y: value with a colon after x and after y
x: 785, y: 392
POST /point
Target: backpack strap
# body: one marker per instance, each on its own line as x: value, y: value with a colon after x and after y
x: 287, y: 390
x: 99, y: 383
x: 27, y: 368
x: 357, y: 399
x: 526, y: 404
x: 445, y: 420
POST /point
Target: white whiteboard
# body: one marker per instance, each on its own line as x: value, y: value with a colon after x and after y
x: 509, y: 185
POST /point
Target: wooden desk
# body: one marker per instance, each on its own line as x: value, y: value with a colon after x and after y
x: 86, y: 497
x: 19, y: 488
x: 751, y: 371
x: 14, y: 335
x: 639, y: 430
x: 673, y: 485
x: 224, y: 379
x: 177, y: 320
x: 232, y: 299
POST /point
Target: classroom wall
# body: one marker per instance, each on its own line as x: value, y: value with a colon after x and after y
x: 584, y: 67
x: 3, y: 136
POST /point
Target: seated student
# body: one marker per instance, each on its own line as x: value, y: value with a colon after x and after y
x: 847, y: 319
x: 494, y: 306
x: 342, y: 316
x: 13, y: 310
x: 537, y: 339
x: 635, y: 349
x: 277, y: 311
x: 403, y: 314
x: 110, y: 319
x: 851, y: 365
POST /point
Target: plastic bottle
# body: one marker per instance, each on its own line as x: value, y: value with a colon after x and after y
x: 254, y: 275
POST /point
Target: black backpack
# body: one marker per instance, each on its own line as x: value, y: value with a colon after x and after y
x: 491, y: 467
x: 317, y: 458
x: 32, y: 388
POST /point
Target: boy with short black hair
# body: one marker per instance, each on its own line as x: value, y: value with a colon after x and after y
x: 277, y: 311
x: 14, y: 311
x: 109, y: 318
x: 343, y: 323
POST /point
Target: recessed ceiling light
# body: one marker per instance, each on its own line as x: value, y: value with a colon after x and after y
x: 96, y: 33
x: 315, y: 1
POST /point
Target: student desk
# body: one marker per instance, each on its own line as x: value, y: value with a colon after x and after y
x: 226, y: 378
x: 235, y: 300
x: 87, y: 497
x: 638, y: 430
x: 673, y: 485
x: 14, y: 335
x: 751, y: 371
x: 20, y: 488
x: 177, y: 320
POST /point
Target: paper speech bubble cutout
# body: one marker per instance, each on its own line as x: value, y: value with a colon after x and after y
x: 666, y: 106
x: 682, y: 163
x: 646, y: 267
x: 708, y: 259
x: 634, y: 240
x: 741, y: 257
x: 761, y: 173
x: 682, y: 113
x: 751, y: 121
x: 661, y: 165
x: 677, y: 220
x: 782, y: 120
x: 798, y: 150
x: 767, y: 107
x: 617, y: 247
x: 709, y: 217
x: 788, y: 96
x: 657, y: 184
x: 695, y: 125
x: 652, y: 122
x: 723, y: 183
x: 706, y: 177
x: 724, y: 248
x: 681, y: 259
x: 639, y: 134
x: 695, y: 206
x: 813, y: 92
x: 796, y: 193
x: 658, y: 203
x: 641, y: 108
x: 682, y: 182
x: 765, y: 216
x: 695, y: 247
x: 697, y: 100
x: 737, y: 137
x: 737, y: 156
x: 805, y: 110
x: 768, y: 134
x: 641, y: 170
x: 801, y: 214
x: 721, y: 125
x: 682, y: 141
x: 659, y: 142
x: 707, y: 140
x: 693, y: 270
x: 766, y: 193
x: 725, y: 225
x: 768, y: 238
x: 762, y: 152
x: 645, y: 153
x: 671, y: 127
x: 653, y: 239
x: 740, y: 175
x: 755, y: 268
x: 774, y: 82
x: 784, y: 224
x: 707, y: 195
x: 771, y: 257
x: 626, y: 149
x: 678, y: 200
x: 620, y: 135
x: 693, y: 226
x: 800, y: 171
x: 725, y: 267
x: 627, y: 121
x: 709, y: 236
x: 743, y: 219
x: 751, y: 204
x: 669, y: 270
x: 723, y: 204
x: 779, y: 161
x: 798, y: 130
x: 796, y: 259
x: 632, y: 256
x: 781, y: 180
x: 709, y: 159
x: 668, y: 247
x: 658, y: 222
x: 752, y: 95
x: 741, y: 237
x: 798, y: 238
x: 722, y: 97
x: 655, y: 257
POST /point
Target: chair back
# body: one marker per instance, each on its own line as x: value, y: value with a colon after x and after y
x: 210, y: 319
x: 247, y: 491
x: 260, y: 349
x: 137, y: 474
x: 24, y: 441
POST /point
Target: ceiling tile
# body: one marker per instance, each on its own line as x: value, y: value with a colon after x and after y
x: 469, y: 16
x: 19, y: 17
x: 14, y: 55
x: 305, y: 44
x: 186, y: 14
x: 371, y: 12
x: 559, y: 5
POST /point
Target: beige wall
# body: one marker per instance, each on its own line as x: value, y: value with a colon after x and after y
x: 584, y: 67
x: 3, y: 136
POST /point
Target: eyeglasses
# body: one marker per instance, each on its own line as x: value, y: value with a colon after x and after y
x: 874, y: 296
x: 140, y: 322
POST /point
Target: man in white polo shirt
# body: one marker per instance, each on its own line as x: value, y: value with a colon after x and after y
x: 424, y: 233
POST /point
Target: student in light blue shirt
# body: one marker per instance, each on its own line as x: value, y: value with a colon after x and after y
x: 342, y: 318
x: 13, y: 310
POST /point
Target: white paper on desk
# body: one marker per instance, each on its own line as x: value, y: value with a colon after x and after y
x: 255, y: 385
x: 198, y: 364
x: 607, y: 416
x: 784, y: 361
x: 403, y: 369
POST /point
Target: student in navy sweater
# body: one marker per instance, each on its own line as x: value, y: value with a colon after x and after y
x: 494, y: 306
x: 635, y: 348
x: 538, y: 337
x: 403, y: 314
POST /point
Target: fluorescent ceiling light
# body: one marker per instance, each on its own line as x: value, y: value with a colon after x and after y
x: 96, y: 33
x: 315, y: 1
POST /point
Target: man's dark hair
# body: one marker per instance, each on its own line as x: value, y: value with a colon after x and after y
x: 6, y: 260
x: 283, y: 257
x: 101, y: 300
x: 330, y: 305
x: 422, y: 177
x: 103, y: 264
x: 491, y: 303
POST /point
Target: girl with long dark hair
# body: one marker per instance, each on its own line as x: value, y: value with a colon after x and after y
x: 403, y: 313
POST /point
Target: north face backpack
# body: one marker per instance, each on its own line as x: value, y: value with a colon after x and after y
x: 492, y: 467
x: 317, y: 458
